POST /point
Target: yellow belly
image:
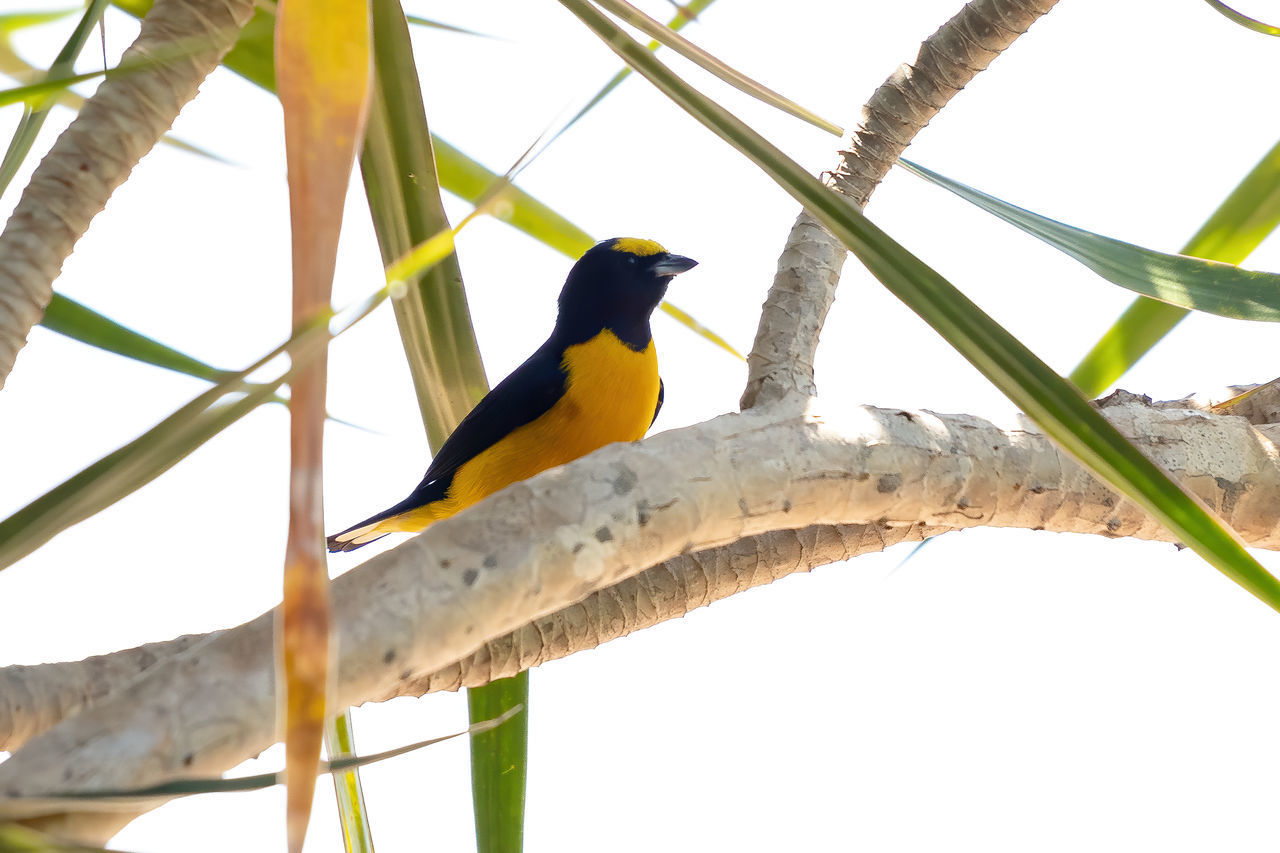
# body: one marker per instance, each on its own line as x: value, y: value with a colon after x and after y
x: 612, y: 392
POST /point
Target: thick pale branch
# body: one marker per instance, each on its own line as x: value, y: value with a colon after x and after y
x: 542, y: 545
x: 780, y: 365
x: 122, y: 121
x: 35, y: 698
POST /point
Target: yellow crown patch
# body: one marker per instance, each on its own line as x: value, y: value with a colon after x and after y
x: 636, y: 246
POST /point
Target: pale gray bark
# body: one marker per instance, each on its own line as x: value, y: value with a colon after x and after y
x: 543, y: 545
x: 780, y: 365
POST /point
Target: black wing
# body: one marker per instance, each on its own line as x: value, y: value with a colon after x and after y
x: 662, y: 392
x: 525, y: 395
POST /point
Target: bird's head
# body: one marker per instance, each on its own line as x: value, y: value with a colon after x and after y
x: 616, y: 285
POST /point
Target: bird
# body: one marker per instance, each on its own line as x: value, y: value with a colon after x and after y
x: 593, y: 382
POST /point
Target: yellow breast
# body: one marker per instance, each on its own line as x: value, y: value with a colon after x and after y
x: 612, y: 392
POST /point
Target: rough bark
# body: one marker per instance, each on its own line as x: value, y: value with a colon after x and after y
x: 124, y: 119
x: 35, y: 698
x: 542, y: 545
x: 780, y: 365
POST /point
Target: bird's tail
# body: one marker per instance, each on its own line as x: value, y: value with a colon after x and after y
x: 355, y: 537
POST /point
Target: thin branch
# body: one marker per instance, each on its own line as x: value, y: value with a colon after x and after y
x: 780, y: 365
x: 123, y: 120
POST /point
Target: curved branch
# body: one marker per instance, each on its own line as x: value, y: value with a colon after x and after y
x: 122, y: 121
x: 35, y: 698
x: 541, y: 545
x: 780, y: 365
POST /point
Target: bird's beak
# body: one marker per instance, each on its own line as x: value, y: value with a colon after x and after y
x: 670, y: 264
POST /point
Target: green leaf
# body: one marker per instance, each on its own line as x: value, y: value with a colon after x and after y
x: 1241, y: 222
x: 400, y: 181
x: 684, y: 14
x: 137, y: 463
x: 1180, y: 280
x: 499, y: 764
x: 339, y: 742
x: 81, y: 323
x: 1243, y: 20
x: 11, y: 22
x: 720, y: 69
x: 449, y: 28
x: 37, y: 110
x: 22, y: 807
x: 1048, y: 399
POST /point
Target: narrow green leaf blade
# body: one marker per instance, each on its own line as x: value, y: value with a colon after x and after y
x: 137, y: 463
x: 398, y: 167
x: 722, y: 70
x: 1248, y: 214
x: 11, y: 22
x: 26, y: 807
x: 499, y: 766
x: 419, y: 21
x: 1180, y: 280
x: 684, y: 14
x: 38, y: 109
x: 339, y: 742
x: 1048, y: 399
x: 1243, y: 19
x: 81, y: 323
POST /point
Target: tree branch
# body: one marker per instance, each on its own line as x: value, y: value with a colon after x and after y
x: 780, y: 365
x: 123, y: 120
x: 542, y: 545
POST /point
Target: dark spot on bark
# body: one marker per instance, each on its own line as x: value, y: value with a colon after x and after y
x: 625, y: 481
x: 742, y: 505
x: 786, y: 505
x: 470, y: 576
x: 910, y: 417
x: 888, y: 483
x: 188, y: 759
x: 406, y: 675
x: 1113, y: 524
x: 860, y: 476
x: 1231, y: 492
x: 604, y: 535
x: 642, y: 513
x: 578, y: 547
x: 84, y: 167
x: 1037, y: 490
x: 963, y: 503
x: 490, y: 561
x: 1109, y: 501
x: 389, y: 656
x: 444, y: 564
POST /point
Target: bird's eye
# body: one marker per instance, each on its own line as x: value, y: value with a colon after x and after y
x: 631, y: 260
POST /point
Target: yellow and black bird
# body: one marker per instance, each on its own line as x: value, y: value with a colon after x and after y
x: 595, y: 381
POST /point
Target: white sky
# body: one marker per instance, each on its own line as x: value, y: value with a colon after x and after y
x: 1003, y: 691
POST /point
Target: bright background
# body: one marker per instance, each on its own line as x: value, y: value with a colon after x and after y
x: 1002, y: 691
